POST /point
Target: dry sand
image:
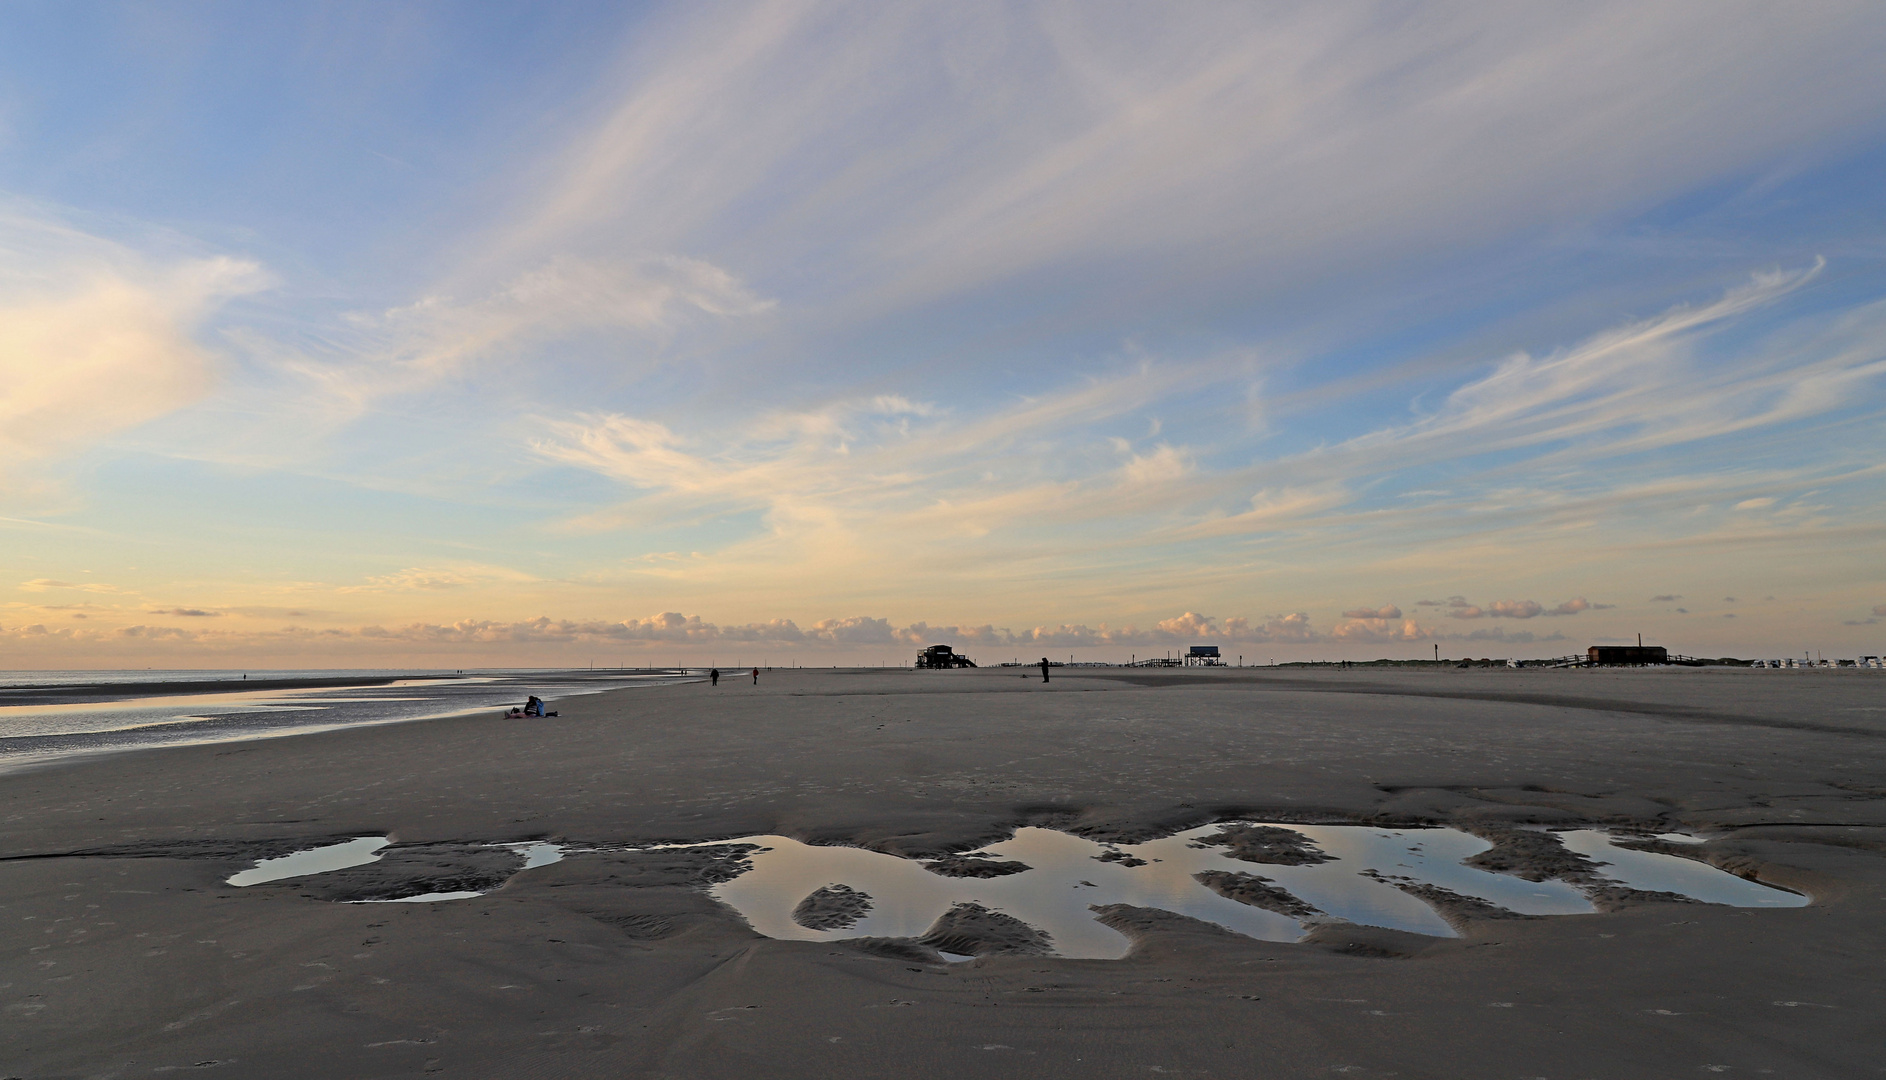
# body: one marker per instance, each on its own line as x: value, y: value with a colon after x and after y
x: 124, y: 954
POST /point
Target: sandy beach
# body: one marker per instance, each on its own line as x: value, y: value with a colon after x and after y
x: 126, y: 954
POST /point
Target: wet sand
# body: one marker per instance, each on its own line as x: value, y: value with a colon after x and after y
x: 124, y: 954
x: 99, y: 693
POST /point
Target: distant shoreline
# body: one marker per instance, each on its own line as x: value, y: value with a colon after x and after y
x: 99, y: 693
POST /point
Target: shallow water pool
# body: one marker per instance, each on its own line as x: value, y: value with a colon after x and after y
x: 356, y: 852
x: 1066, y: 875
x: 1672, y: 873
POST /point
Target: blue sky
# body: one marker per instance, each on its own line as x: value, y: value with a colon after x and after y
x: 412, y: 333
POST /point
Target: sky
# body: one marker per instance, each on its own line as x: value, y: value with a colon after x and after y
x: 569, y: 334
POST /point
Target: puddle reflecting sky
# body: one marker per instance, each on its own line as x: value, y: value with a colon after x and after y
x: 422, y: 898
x: 356, y: 852
x: 1066, y: 877
x: 537, y: 853
x: 1672, y: 873
x: 365, y: 849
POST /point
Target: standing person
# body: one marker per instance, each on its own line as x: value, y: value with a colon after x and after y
x: 713, y: 676
x: 756, y: 676
x: 1044, y: 669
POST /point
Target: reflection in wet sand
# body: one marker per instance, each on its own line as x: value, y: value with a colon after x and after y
x: 1351, y: 873
x: 356, y: 852
x: 34, y: 733
x: 1068, y: 874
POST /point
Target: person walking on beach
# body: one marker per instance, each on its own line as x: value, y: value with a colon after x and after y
x: 756, y: 676
x: 1044, y: 669
x: 713, y: 676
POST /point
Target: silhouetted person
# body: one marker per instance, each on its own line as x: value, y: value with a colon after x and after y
x: 1044, y: 669
x: 756, y: 676
x: 713, y: 676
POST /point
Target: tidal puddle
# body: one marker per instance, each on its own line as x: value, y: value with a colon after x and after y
x: 367, y: 849
x: 537, y: 853
x: 1673, y: 873
x: 1051, y: 880
x: 800, y: 892
x: 422, y: 898
x: 356, y: 852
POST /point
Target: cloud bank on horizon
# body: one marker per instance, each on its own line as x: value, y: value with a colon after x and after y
x: 336, y: 335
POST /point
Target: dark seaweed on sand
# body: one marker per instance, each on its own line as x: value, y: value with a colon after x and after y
x: 1536, y: 856
x: 1530, y: 854
x: 1459, y: 910
x: 413, y: 870
x: 1256, y: 891
x: 832, y: 907
x: 1266, y: 844
x: 974, y: 866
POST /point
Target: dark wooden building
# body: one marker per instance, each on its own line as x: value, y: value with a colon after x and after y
x: 1634, y: 655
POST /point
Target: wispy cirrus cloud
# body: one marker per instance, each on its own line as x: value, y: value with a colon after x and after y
x: 365, y: 358
x: 887, y: 464
x: 866, y: 483
x: 1626, y: 390
x: 1145, y: 136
